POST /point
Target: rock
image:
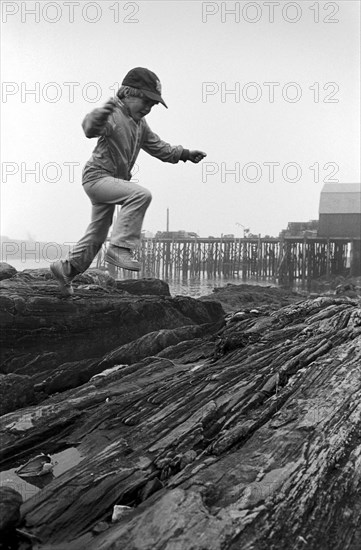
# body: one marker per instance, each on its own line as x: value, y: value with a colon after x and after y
x: 179, y: 511
x: 234, y: 297
x: 97, y: 277
x: 40, y: 330
x: 10, y: 502
x: 143, y: 287
x: 212, y: 435
x: 100, y: 527
x: 337, y: 284
x: 40, y: 274
x: 347, y: 289
x: 251, y: 447
x: 6, y: 271
x: 119, y: 512
x: 15, y: 392
x: 153, y: 343
x: 73, y: 374
x: 67, y: 375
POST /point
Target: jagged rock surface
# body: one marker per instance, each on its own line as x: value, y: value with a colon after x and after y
x: 15, y: 392
x: 40, y: 330
x: 234, y: 297
x: 10, y: 502
x: 248, y: 438
x: 6, y: 271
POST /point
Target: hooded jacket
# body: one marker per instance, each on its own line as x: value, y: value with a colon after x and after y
x: 119, y: 144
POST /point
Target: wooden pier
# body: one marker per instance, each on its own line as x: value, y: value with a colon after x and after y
x: 286, y: 261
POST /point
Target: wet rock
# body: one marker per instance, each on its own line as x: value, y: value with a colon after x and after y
x: 154, y: 342
x: 10, y: 502
x: 143, y: 287
x: 181, y: 513
x: 40, y: 274
x: 6, y: 271
x: 244, y: 436
x: 347, y: 289
x: 120, y: 511
x: 95, y: 277
x: 15, y: 392
x: 239, y: 449
x: 73, y: 374
x: 41, y: 331
x: 66, y: 376
x: 337, y: 284
x: 235, y: 297
x: 100, y: 527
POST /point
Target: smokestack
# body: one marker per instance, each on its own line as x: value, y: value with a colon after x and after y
x: 167, y: 220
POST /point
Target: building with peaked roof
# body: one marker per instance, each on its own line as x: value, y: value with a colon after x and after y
x: 340, y: 210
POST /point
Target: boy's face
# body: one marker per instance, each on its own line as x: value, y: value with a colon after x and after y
x: 139, y: 107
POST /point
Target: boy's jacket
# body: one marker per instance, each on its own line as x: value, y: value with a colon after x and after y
x: 119, y: 144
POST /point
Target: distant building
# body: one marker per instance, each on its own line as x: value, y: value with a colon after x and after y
x: 147, y: 235
x: 300, y: 229
x: 176, y: 235
x: 340, y: 210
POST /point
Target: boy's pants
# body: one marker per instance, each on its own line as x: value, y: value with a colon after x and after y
x: 104, y: 194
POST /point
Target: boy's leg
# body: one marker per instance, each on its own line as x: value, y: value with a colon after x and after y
x: 104, y: 195
x: 127, y: 227
x: 126, y: 233
x: 83, y: 253
x: 134, y: 199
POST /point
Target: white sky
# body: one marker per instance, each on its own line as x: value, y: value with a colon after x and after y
x: 171, y: 39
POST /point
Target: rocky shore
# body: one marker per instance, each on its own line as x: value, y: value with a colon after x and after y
x: 226, y: 422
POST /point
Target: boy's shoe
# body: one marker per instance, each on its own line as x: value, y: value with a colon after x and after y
x: 121, y: 257
x: 64, y: 281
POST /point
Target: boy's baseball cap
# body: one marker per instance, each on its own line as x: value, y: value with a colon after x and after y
x: 146, y: 81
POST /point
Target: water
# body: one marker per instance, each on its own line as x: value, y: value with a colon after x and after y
x: 28, y: 487
x: 178, y: 285
x: 201, y: 286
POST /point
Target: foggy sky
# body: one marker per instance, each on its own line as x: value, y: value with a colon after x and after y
x: 275, y: 105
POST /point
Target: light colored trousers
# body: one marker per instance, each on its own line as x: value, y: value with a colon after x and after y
x: 105, y: 194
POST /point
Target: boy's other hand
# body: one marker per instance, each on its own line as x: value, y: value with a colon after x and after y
x: 101, y: 115
x: 107, y: 109
x: 196, y: 156
x: 109, y: 106
x: 95, y: 122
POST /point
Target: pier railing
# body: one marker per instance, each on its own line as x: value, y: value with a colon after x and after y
x: 286, y: 260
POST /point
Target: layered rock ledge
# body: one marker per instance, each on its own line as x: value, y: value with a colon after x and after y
x: 56, y: 343
x: 241, y: 436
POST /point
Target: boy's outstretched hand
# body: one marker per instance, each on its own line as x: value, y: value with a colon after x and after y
x: 196, y: 156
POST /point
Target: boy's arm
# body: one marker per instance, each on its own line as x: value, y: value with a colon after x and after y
x: 94, y: 124
x: 158, y: 148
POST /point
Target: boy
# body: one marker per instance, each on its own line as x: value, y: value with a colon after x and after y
x: 122, y: 132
